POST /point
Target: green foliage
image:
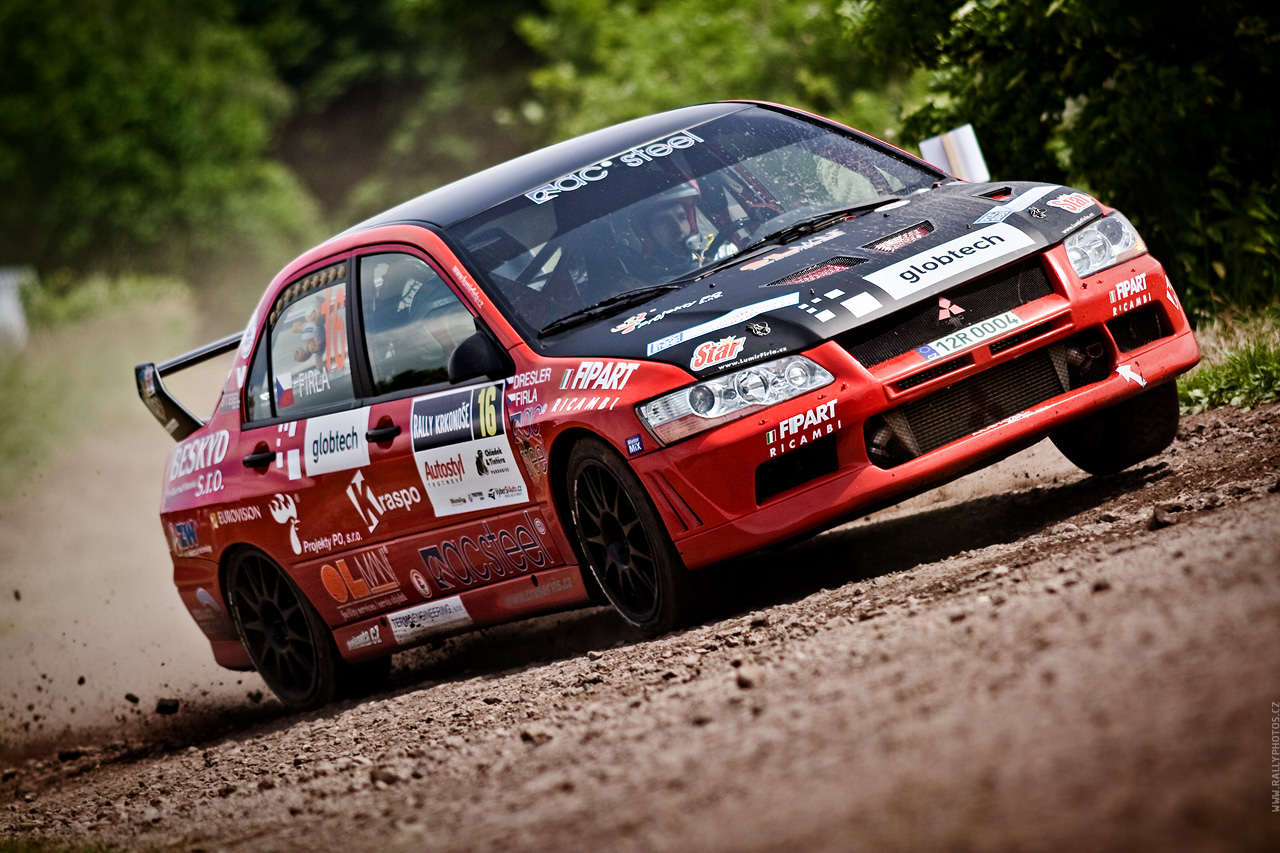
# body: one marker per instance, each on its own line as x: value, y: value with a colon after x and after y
x: 133, y: 135
x: 1240, y: 363
x: 62, y: 298
x: 394, y: 97
x: 1167, y: 114
x: 606, y: 61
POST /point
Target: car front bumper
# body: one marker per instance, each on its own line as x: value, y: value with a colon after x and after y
x: 875, y: 437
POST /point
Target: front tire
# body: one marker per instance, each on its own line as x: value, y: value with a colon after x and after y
x: 623, y: 541
x: 1122, y: 435
x: 286, y: 639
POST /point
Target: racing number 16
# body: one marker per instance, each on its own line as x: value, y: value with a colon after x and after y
x: 486, y: 402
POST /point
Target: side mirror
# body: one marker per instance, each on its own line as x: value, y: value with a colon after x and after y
x: 479, y: 356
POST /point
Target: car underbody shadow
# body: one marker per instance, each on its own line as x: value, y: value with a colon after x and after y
x: 860, y: 552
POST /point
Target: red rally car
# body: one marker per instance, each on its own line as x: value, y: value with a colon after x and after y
x: 591, y: 371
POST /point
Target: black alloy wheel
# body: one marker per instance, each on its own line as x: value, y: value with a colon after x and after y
x: 289, y: 644
x: 624, y: 542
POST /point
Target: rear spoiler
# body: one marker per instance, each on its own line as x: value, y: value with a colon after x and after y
x: 172, y: 415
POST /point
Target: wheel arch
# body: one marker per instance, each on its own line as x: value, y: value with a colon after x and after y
x: 557, y: 471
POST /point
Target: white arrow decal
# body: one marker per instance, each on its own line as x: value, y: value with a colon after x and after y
x: 1131, y: 375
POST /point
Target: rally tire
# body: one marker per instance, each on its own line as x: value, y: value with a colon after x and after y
x: 289, y: 644
x: 1122, y: 435
x: 624, y: 543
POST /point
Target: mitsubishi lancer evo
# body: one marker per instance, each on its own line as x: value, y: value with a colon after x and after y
x: 592, y: 372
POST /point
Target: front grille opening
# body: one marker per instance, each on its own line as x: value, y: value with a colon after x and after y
x: 1087, y: 359
x: 976, y: 402
x: 796, y: 467
x: 1018, y: 338
x: 817, y: 271
x: 1139, y: 328
x: 933, y: 373
x: 918, y: 324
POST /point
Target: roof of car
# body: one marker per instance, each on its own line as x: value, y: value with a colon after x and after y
x: 468, y: 196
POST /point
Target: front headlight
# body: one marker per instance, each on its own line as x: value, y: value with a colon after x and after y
x: 712, y: 402
x: 1103, y: 243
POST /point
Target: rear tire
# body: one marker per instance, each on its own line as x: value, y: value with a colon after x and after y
x: 1124, y: 434
x: 289, y: 644
x: 623, y: 541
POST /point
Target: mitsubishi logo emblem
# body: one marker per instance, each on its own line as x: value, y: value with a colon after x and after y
x: 947, y: 308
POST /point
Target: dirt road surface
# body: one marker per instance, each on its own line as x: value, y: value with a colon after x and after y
x: 1029, y: 658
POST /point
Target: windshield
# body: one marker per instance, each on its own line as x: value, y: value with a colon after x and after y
x: 663, y: 210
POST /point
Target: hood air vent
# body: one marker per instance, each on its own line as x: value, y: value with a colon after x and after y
x: 818, y: 271
x: 905, y: 237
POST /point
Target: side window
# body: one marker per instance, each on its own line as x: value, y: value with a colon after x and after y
x: 412, y: 322
x: 310, y: 366
x: 257, y: 394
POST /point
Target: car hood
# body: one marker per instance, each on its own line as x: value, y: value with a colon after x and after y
x: 793, y: 296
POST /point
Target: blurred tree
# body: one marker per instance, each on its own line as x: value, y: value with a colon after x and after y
x: 394, y: 96
x: 1165, y: 112
x: 132, y: 135
x: 610, y: 60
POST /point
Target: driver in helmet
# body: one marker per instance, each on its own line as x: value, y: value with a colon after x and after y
x: 667, y: 226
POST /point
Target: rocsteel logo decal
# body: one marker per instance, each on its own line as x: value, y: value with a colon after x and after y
x: 952, y: 258
x: 599, y: 171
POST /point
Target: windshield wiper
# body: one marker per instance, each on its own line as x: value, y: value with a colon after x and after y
x: 605, y: 307
x: 791, y: 232
x: 808, y: 226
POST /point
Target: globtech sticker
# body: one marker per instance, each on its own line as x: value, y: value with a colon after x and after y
x: 336, y: 442
x: 462, y: 451
x: 949, y: 260
x: 732, y: 318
